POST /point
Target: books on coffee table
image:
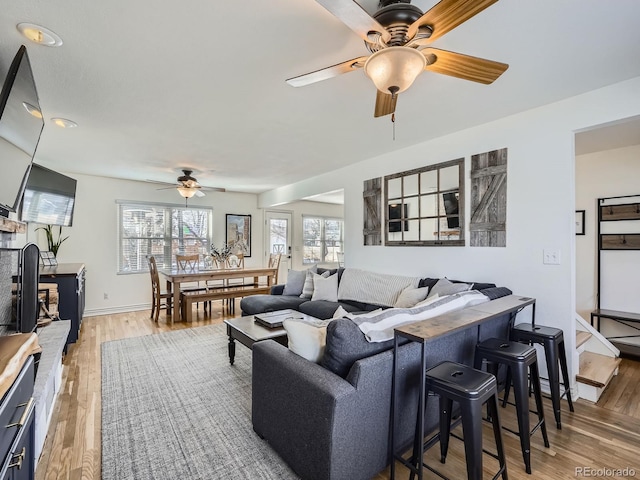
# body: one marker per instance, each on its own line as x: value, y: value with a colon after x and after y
x: 275, y: 319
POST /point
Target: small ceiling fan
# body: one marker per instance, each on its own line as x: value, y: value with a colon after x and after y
x: 188, y: 185
x: 397, y: 36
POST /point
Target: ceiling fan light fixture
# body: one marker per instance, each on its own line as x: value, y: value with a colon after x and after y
x: 187, y: 192
x: 394, y: 67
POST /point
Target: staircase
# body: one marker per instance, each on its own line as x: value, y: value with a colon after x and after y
x: 599, y: 361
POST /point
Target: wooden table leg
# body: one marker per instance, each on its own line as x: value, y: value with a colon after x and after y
x: 232, y: 349
x: 176, y: 302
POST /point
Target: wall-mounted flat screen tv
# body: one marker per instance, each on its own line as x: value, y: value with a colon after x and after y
x: 20, y: 128
x: 451, y: 208
x: 395, y: 213
x: 49, y: 197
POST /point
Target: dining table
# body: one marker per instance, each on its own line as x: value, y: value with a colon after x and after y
x: 178, y: 276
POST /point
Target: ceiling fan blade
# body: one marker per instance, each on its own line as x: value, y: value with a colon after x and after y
x: 329, y: 72
x: 463, y: 66
x: 214, y: 189
x: 355, y: 17
x: 385, y: 104
x: 160, y: 183
x: 447, y: 15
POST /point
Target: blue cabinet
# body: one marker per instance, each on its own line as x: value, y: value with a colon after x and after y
x: 70, y: 278
x: 17, y: 412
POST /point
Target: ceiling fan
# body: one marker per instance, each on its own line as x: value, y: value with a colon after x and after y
x: 397, y: 36
x: 188, y: 185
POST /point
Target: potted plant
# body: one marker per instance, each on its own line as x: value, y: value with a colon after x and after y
x: 53, y: 244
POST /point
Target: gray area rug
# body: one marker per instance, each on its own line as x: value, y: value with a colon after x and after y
x: 173, y: 408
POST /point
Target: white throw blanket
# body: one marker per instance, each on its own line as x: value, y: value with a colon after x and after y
x: 379, y: 327
x: 374, y: 288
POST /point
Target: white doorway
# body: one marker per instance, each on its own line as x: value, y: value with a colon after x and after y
x: 277, y: 230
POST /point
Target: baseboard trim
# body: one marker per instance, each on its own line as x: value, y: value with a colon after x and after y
x: 95, y: 312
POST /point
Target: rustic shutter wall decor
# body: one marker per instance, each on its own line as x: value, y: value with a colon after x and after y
x: 488, y: 225
x: 372, y: 197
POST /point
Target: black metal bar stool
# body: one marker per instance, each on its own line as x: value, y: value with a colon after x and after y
x: 518, y: 358
x: 552, y: 339
x: 470, y: 388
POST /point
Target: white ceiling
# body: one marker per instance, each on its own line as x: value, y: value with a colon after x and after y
x: 608, y: 137
x: 157, y: 85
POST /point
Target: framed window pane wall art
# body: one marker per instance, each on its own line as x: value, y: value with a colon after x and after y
x: 425, y: 206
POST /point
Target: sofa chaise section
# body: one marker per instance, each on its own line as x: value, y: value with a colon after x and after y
x: 331, y: 428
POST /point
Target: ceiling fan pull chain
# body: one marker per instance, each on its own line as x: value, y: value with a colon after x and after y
x: 393, y: 121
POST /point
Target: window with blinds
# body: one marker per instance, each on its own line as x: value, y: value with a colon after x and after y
x: 322, y: 239
x: 162, y: 231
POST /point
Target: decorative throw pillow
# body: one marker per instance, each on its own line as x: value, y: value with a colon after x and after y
x: 340, y: 312
x: 325, y: 288
x: 295, y: 282
x: 410, y: 296
x: 307, y: 288
x: 446, y: 287
x: 306, y: 338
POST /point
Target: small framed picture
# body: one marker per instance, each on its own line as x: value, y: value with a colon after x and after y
x: 580, y: 222
x: 239, y: 233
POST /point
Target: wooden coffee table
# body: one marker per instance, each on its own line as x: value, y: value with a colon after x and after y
x: 247, y: 332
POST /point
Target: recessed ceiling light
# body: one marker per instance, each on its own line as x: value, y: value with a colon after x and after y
x: 35, y: 111
x: 64, y: 123
x: 39, y: 35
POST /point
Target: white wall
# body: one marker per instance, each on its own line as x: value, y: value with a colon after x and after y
x: 540, y: 196
x: 607, y: 174
x: 93, y: 236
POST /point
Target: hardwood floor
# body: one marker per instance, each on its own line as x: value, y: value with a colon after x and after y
x: 595, y: 436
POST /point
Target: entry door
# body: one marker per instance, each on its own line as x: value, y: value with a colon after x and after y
x: 278, y: 240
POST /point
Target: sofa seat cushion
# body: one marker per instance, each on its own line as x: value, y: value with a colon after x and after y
x: 255, y: 304
x: 324, y: 309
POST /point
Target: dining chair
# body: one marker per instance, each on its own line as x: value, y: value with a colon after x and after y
x: 274, y: 262
x: 235, y: 261
x: 189, y: 263
x: 157, y: 296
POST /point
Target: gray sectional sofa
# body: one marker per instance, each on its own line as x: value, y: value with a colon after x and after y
x: 322, y: 309
x: 331, y: 422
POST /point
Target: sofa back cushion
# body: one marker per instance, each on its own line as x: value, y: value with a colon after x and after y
x: 345, y: 344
